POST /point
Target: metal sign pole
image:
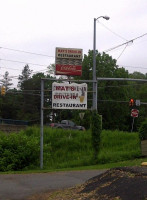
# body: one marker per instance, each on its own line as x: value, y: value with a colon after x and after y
x: 132, y: 124
x: 41, y: 125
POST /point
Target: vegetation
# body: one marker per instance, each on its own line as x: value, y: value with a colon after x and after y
x: 96, y: 129
x: 65, y: 148
x: 143, y: 130
x: 23, y: 103
x: 18, y: 151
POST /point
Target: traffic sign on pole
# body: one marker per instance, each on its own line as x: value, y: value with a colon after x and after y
x: 134, y: 112
x: 137, y: 102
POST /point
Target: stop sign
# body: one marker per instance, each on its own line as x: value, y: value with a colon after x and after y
x: 134, y: 112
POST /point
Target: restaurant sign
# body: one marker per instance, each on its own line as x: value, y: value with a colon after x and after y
x: 68, y: 61
x: 69, y: 96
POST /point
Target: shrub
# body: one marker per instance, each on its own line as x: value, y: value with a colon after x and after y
x: 17, y: 151
x: 96, y: 129
x: 143, y: 130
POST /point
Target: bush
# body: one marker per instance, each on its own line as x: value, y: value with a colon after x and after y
x: 96, y: 129
x: 17, y: 151
x: 143, y: 130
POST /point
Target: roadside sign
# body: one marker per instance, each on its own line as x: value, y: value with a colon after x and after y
x: 137, y: 102
x: 134, y: 112
x: 68, y: 61
x: 69, y: 96
x: 81, y: 115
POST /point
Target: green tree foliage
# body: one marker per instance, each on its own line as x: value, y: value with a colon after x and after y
x: 96, y: 129
x: 25, y: 76
x: 30, y: 98
x: 24, y: 103
x: 10, y: 104
x: 111, y: 94
x: 6, y: 81
x: 143, y: 130
x: 138, y: 75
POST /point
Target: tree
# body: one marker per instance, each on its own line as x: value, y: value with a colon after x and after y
x: 138, y: 75
x: 30, y: 98
x: 110, y: 93
x: 10, y: 104
x: 26, y: 74
x: 51, y: 70
x: 6, y: 81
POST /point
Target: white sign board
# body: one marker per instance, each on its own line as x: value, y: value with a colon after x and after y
x: 137, y: 102
x: 69, y: 96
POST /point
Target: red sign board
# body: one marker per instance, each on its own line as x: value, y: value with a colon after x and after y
x: 70, y: 70
x: 134, y: 112
x: 68, y: 61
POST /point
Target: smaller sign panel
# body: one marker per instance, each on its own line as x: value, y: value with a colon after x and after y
x: 69, y: 96
x: 134, y: 112
x: 137, y: 102
x: 68, y: 61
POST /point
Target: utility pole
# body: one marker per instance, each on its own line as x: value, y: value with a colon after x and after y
x: 94, y: 103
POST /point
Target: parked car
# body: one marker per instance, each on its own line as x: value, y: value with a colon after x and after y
x: 67, y: 124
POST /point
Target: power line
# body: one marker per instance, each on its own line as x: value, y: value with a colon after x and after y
x: 130, y: 41
x: 117, y: 86
x: 21, y: 70
x: 113, y: 32
x: 16, y: 61
x: 133, y: 67
x: 28, y: 52
x: 122, y: 51
x: 11, y: 68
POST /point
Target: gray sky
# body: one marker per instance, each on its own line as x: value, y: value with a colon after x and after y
x: 40, y: 26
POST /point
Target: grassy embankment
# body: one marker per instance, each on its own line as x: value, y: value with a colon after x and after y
x: 66, y: 148
x: 73, y: 149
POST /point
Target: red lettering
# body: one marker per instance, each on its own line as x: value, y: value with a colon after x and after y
x: 57, y: 87
x: 66, y: 96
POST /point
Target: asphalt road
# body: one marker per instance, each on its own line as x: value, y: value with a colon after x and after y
x: 21, y: 186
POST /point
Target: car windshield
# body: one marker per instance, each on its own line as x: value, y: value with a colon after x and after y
x: 71, y: 123
x: 63, y: 122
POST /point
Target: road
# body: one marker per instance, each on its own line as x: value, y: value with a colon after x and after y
x: 21, y: 186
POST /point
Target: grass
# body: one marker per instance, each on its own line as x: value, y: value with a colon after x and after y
x: 134, y: 162
x: 68, y: 149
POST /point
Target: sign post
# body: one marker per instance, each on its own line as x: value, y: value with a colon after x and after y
x: 134, y: 113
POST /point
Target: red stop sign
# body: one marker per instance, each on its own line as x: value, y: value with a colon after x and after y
x: 134, y: 112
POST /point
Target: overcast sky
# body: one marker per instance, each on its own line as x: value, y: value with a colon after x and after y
x: 40, y: 26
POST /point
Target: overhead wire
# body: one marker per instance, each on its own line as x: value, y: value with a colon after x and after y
x: 126, y: 43
x: 28, y: 52
x: 113, y: 32
x: 38, y: 54
x: 16, y: 61
x: 122, y: 51
x: 130, y: 41
x: 132, y: 67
